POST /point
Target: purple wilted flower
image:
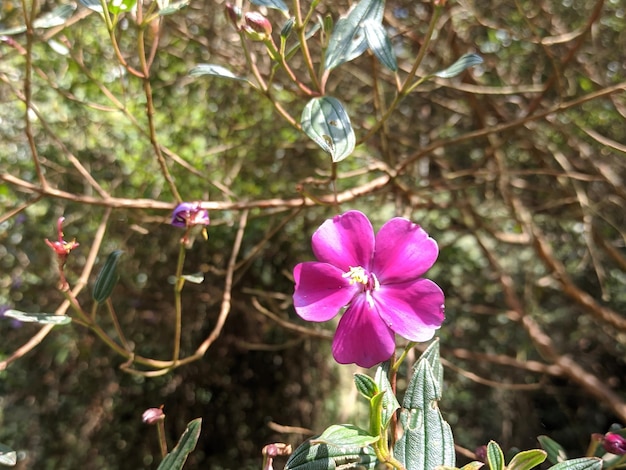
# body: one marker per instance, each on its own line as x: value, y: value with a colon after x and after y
x: 378, y: 278
x: 188, y: 214
x: 62, y: 250
x: 614, y: 443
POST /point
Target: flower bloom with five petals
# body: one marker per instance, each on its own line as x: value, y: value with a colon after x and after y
x: 188, y: 214
x: 378, y: 278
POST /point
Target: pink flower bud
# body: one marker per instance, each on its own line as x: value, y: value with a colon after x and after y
x: 233, y: 13
x: 258, y: 23
x: 614, y: 443
x: 153, y: 415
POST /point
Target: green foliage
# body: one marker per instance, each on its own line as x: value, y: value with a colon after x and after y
x: 108, y: 277
x: 176, y: 459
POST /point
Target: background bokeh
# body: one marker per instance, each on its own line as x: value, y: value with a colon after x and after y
x: 516, y: 167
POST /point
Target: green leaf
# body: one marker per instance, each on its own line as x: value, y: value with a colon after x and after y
x: 464, y: 62
x: 390, y: 402
x: 214, y: 70
x: 470, y: 466
x: 56, y: 17
x: 117, y: 7
x: 527, y: 459
x: 276, y: 4
x: 326, y: 122
x: 365, y: 385
x: 495, y: 457
x: 379, y: 43
x: 427, y: 441
x: 186, y: 444
x: 8, y: 456
x: 556, y: 452
x: 41, y: 318
x: 584, y: 463
x: 108, y: 277
x: 337, y: 446
x: 173, y: 8
x: 93, y: 5
x: 348, y: 39
x: 196, y: 278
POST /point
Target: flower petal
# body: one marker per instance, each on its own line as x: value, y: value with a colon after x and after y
x: 404, y: 251
x: 414, y: 309
x: 321, y: 291
x: 345, y: 240
x: 362, y: 337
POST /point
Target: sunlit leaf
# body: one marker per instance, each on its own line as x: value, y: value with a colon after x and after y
x: 556, y: 452
x: 326, y: 122
x: 379, y: 43
x: 348, y: 39
x: 527, y: 459
x: 584, y: 463
x: 214, y: 70
x: 41, y: 318
x: 56, y: 17
x: 94, y: 5
x: 108, y: 277
x: 276, y: 4
x: 196, y: 278
x: 464, y: 62
x: 173, y: 7
x: 117, y: 7
x: 495, y: 456
x: 8, y: 456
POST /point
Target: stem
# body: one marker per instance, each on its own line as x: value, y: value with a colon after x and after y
x: 178, y: 288
x: 300, y: 27
x: 162, y: 441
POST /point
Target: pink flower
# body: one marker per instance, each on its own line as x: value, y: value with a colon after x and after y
x: 378, y: 278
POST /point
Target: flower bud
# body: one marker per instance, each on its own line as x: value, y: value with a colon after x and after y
x: 277, y: 449
x: 233, y: 13
x: 614, y: 443
x: 287, y: 27
x: 153, y: 415
x: 256, y: 22
x: 481, y: 453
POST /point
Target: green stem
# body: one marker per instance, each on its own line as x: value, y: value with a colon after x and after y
x: 301, y: 28
x: 162, y: 440
x: 178, y: 288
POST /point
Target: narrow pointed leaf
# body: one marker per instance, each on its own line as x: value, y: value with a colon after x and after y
x: 326, y: 122
x: 379, y: 43
x: 41, y: 318
x: 173, y: 8
x: 584, y: 463
x: 556, y: 452
x: 117, y: 7
x: 390, y: 402
x: 427, y: 441
x: 276, y: 4
x: 108, y: 277
x: 56, y: 17
x: 214, y: 70
x: 8, y: 456
x: 94, y: 5
x: 196, y: 278
x: 339, y: 446
x: 495, y: 456
x: 527, y: 459
x: 186, y: 444
x: 348, y: 41
x: 464, y: 62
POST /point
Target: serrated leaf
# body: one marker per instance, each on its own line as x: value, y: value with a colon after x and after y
x: 337, y: 446
x: 495, y: 456
x: 464, y: 62
x: 196, y: 278
x: 584, y: 463
x: 214, y: 70
x: 379, y: 43
x: 556, y: 452
x: 326, y: 122
x: 347, y: 42
x: 8, y: 456
x: 117, y: 7
x: 427, y: 441
x: 56, y: 17
x: 186, y: 444
x: 93, y: 5
x: 527, y: 459
x: 173, y: 8
x: 365, y: 385
x: 107, y: 278
x: 41, y: 318
x: 276, y: 4
x: 390, y: 402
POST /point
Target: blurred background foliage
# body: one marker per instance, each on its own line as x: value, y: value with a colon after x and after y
x: 516, y: 167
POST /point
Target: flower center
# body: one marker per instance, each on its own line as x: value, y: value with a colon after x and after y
x: 359, y: 275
